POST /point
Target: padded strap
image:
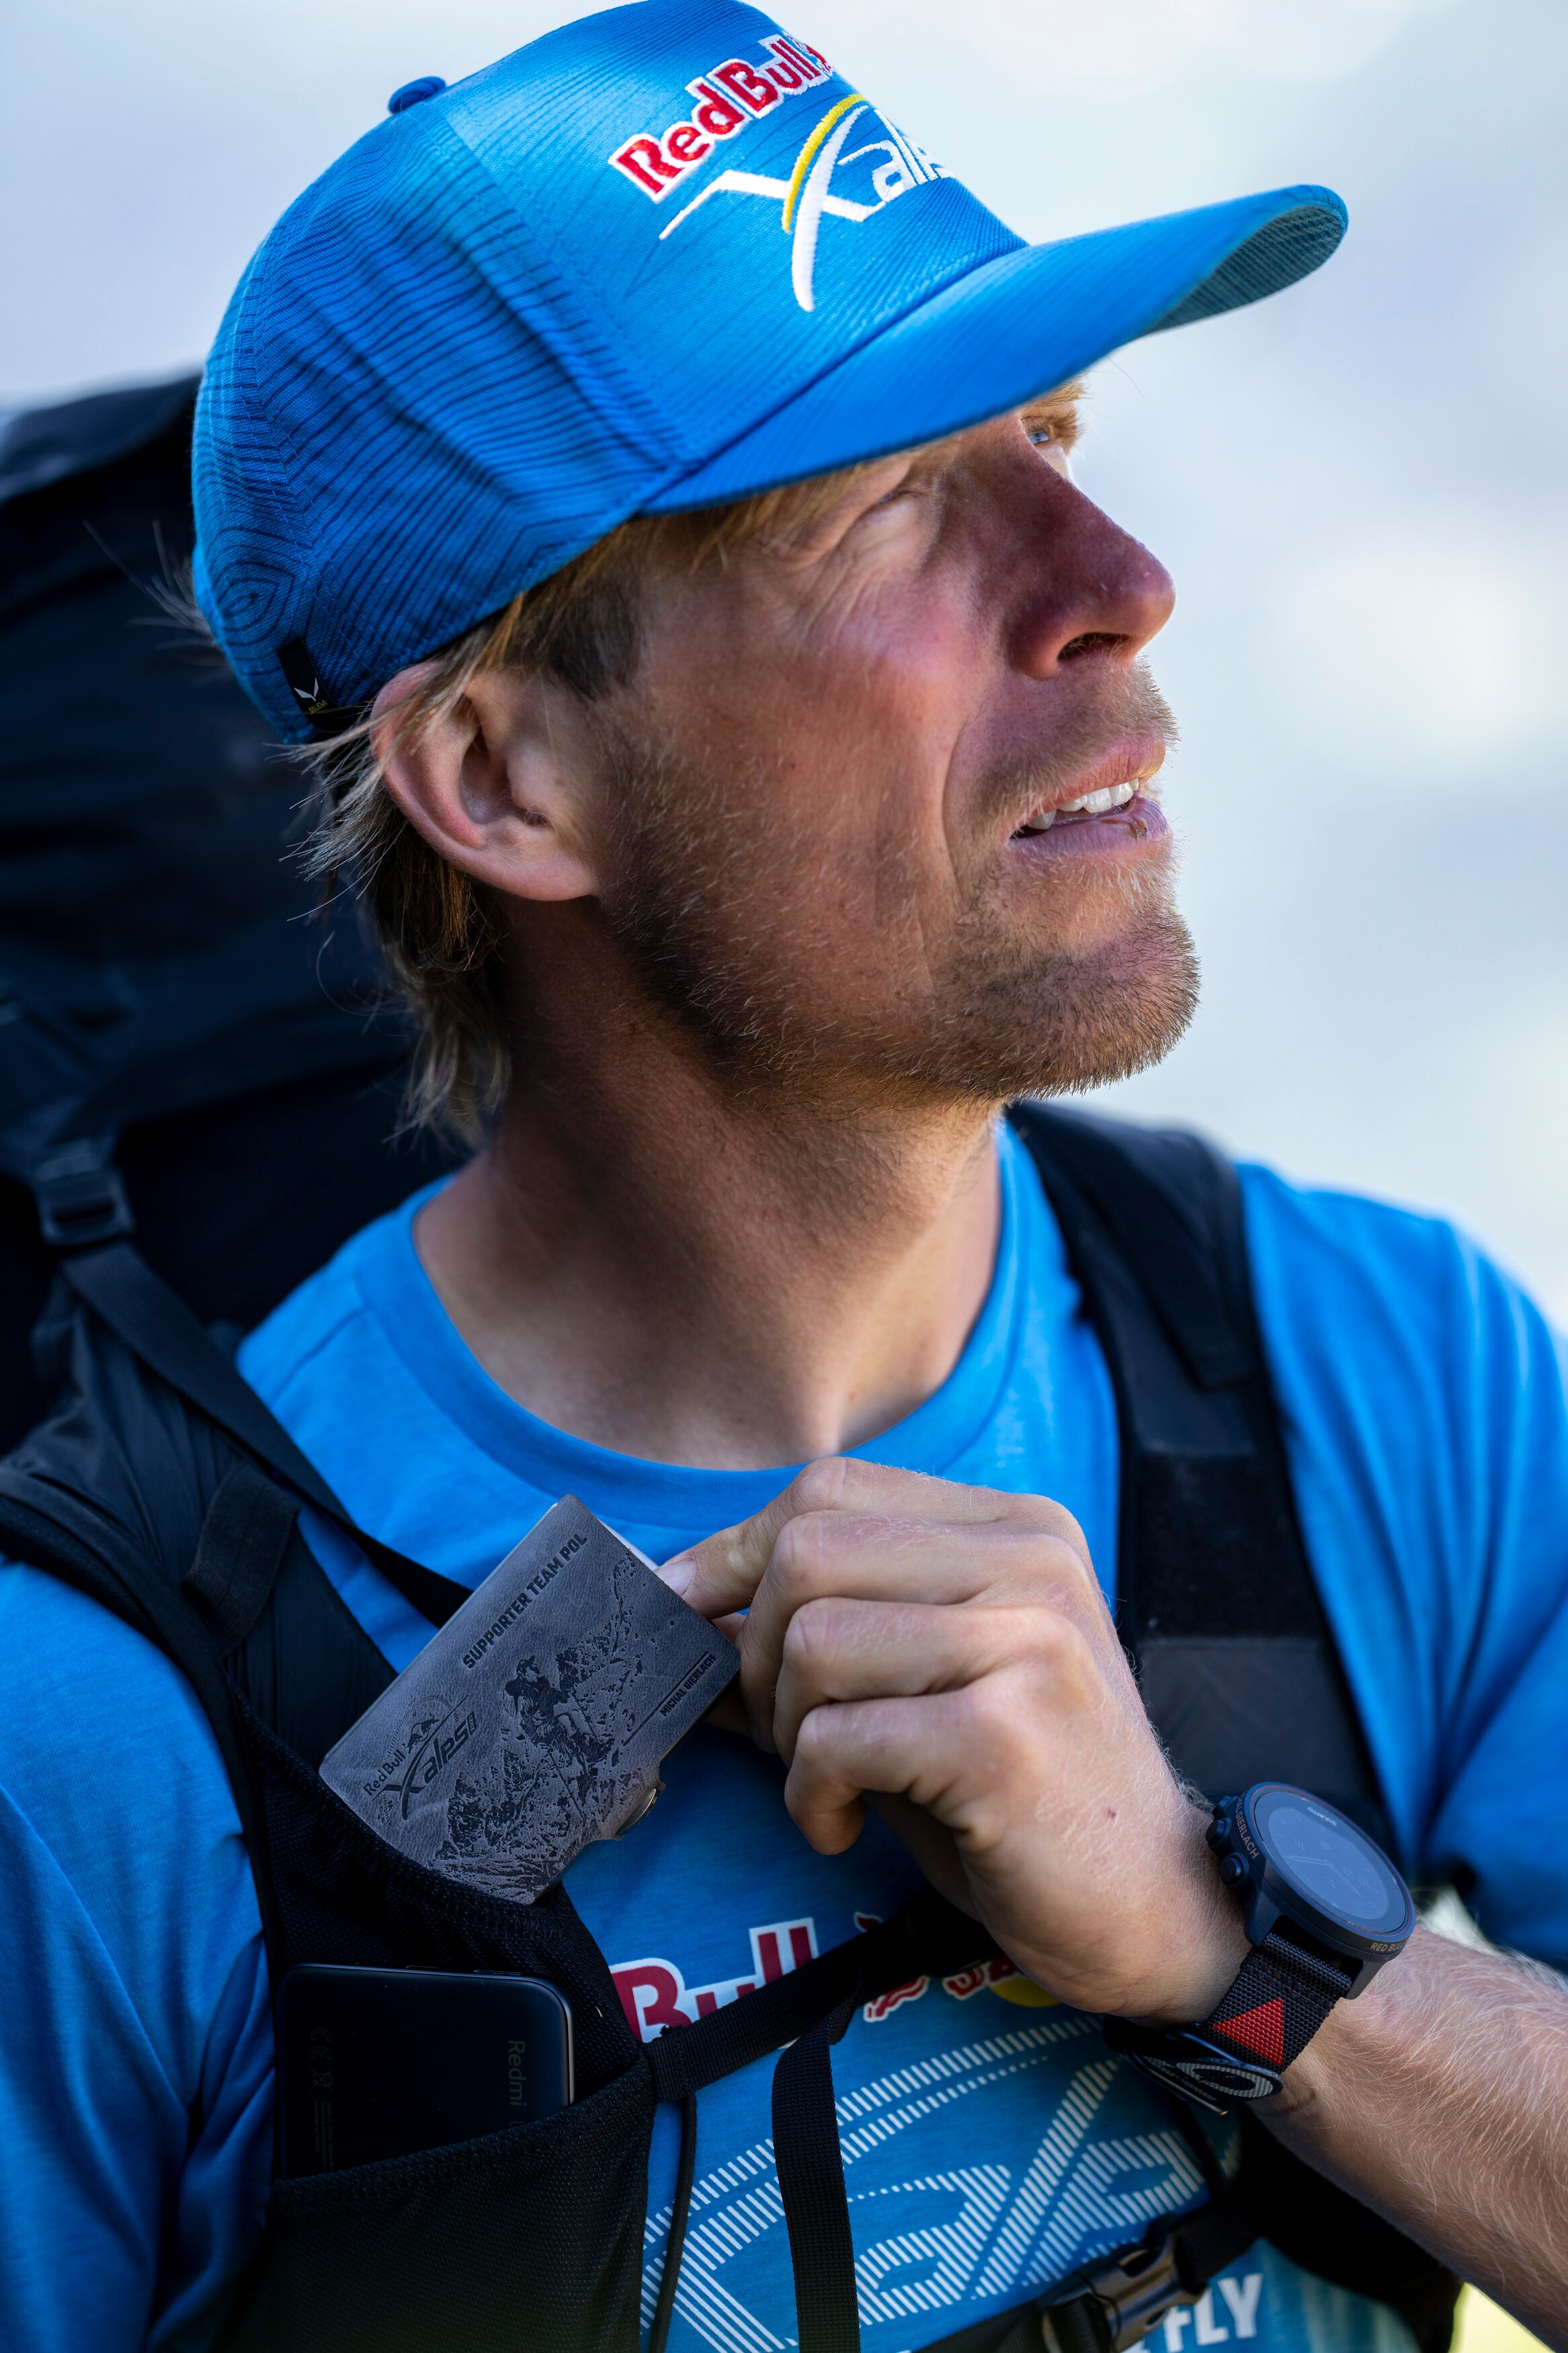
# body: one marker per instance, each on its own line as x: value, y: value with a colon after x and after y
x: 118, y: 1285
x: 1215, y: 1596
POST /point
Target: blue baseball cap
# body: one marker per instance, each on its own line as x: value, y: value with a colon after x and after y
x: 662, y: 257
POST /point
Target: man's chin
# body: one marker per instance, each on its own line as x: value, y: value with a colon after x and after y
x: 1069, y: 1022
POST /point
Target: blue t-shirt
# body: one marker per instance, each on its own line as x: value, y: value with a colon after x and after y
x: 990, y: 2142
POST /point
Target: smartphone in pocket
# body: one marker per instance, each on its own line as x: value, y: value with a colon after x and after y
x: 380, y: 2063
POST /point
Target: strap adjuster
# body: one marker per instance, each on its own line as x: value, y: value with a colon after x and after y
x: 80, y: 1197
x: 1116, y: 2306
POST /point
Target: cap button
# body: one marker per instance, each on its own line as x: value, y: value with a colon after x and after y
x: 413, y: 93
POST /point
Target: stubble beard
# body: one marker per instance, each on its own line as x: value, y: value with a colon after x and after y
x: 726, y: 921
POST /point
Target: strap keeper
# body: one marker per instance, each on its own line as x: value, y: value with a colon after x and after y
x: 667, y: 2065
x: 80, y: 1197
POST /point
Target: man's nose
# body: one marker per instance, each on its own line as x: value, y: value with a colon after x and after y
x: 1085, y: 587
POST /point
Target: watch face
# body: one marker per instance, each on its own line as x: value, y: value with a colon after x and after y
x: 1329, y: 1862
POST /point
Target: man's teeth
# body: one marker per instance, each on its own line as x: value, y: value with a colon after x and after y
x: 1108, y: 797
x: 1100, y: 803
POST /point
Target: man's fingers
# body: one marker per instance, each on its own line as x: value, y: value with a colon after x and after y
x: 722, y: 1573
x: 823, y: 1557
x: 899, y: 1748
x: 837, y: 1650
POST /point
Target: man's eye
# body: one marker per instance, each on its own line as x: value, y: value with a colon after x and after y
x: 898, y: 489
x: 1040, y: 435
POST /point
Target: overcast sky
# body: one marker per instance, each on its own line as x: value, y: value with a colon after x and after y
x: 1362, y: 487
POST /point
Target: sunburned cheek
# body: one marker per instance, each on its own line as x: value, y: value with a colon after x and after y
x: 914, y: 655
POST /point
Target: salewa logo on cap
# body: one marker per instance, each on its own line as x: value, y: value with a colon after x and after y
x: 730, y: 96
x: 807, y: 194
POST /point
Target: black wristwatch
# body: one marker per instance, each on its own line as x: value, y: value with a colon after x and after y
x: 1324, y: 1909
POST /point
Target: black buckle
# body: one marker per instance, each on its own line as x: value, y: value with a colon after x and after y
x: 80, y: 1197
x: 1115, y: 2308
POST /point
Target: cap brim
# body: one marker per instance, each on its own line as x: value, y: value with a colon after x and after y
x: 1017, y: 328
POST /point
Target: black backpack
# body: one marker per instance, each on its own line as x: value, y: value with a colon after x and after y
x: 182, y: 1048
x: 162, y: 1487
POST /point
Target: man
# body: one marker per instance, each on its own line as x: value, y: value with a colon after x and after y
x: 756, y: 791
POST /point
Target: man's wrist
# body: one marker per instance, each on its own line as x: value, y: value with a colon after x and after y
x: 1358, y: 2040
x: 1204, y: 1944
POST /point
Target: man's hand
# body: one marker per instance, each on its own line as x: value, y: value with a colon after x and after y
x: 948, y: 1651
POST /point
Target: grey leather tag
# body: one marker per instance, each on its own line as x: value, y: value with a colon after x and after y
x: 536, y: 1720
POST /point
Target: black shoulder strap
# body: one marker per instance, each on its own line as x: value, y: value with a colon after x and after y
x: 142, y: 1490
x: 117, y: 1282
x: 1215, y: 1594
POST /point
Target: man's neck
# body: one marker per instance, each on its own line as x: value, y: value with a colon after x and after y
x: 691, y: 1274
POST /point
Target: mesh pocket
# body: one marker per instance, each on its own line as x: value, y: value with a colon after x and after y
x: 529, y: 2241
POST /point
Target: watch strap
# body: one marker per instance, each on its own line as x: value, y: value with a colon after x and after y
x: 1278, y: 1999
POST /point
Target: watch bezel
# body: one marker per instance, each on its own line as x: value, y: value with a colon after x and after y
x: 1271, y: 1896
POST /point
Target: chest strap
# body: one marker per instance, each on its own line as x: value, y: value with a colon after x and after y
x: 807, y: 2010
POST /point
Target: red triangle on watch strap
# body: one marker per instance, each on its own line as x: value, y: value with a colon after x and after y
x: 1261, y: 2030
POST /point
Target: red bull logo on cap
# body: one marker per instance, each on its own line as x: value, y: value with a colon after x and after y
x: 729, y: 97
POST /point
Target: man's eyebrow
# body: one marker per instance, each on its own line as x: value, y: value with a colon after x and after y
x: 1059, y: 415
x: 777, y: 518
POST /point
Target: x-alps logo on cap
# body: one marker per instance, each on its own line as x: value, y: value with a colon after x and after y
x: 737, y: 92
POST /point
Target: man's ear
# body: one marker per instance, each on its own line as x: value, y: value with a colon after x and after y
x: 501, y: 785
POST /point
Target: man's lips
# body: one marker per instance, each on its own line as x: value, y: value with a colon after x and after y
x: 1109, y: 806
x: 1071, y: 835
x: 1118, y: 775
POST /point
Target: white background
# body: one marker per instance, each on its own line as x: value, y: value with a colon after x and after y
x: 1360, y: 485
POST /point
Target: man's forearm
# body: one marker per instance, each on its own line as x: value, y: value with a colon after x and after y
x: 1440, y: 2097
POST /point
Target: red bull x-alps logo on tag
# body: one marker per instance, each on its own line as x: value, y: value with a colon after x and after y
x: 737, y: 92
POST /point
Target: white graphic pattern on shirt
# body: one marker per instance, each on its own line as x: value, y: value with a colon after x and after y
x: 1002, y: 2239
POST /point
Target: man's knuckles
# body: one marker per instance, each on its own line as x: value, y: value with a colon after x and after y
x: 828, y: 1633
x: 826, y: 1485
x: 818, y: 1552
x: 808, y: 1559
x: 836, y: 1483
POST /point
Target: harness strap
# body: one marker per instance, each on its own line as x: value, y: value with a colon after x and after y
x: 808, y: 2010
x: 1107, y: 2308
x: 1215, y: 1596
x: 809, y: 2158
x: 1118, y: 2302
x: 926, y: 1935
x: 157, y: 1326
